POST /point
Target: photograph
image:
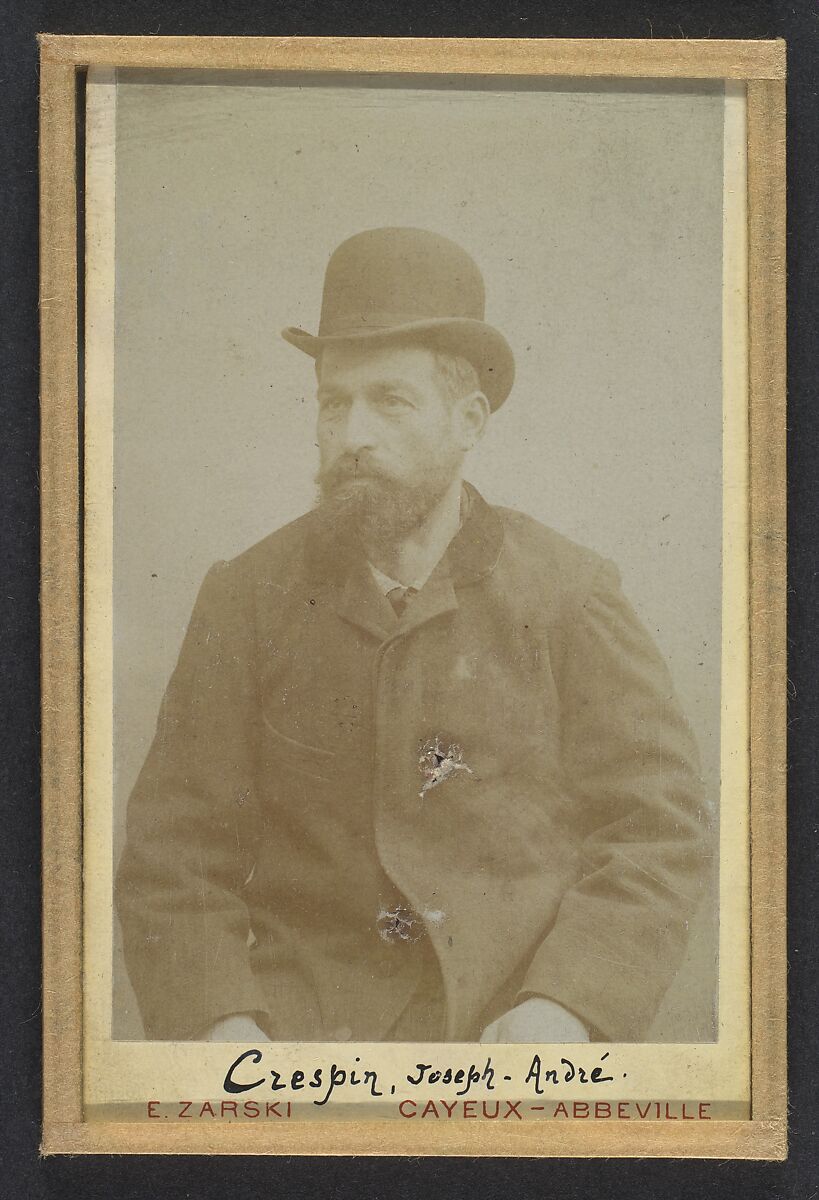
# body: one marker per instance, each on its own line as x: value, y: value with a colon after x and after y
x: 420, y: 770
x: 420, y: 599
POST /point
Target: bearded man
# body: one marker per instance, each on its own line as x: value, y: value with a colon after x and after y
x: 419, y: 774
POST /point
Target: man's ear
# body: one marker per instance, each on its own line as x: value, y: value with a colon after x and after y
x: 471, y: 414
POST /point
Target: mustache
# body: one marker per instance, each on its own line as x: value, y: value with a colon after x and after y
x: 351, y: 467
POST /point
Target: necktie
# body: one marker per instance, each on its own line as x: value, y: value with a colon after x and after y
x: 399, y: 597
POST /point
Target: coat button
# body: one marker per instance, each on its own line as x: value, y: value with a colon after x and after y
x: 342, y: 1034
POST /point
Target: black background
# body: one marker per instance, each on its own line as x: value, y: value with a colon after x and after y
x: 23, y: 1173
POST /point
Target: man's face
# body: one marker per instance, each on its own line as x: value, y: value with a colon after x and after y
x: 391, y: 440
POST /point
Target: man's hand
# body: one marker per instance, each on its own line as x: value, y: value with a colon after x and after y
x: 536, y: 1020
x: 238, y: 1027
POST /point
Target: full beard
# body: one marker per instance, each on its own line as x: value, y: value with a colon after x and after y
x: 376, y: 508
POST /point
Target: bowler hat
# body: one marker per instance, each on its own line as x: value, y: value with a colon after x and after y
x: 415, y: 285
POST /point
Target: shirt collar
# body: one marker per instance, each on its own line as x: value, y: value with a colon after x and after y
x: 387, y: 585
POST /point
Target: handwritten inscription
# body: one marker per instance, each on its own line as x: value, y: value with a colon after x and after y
x: 322, y: 1078
x: 321, y: 1081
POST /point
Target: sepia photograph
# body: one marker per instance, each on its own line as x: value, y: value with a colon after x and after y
x: 420, y: 771
x: 415, y: 597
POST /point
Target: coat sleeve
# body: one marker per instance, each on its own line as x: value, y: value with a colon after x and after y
x: 178, y: 887
x: 633, y: 772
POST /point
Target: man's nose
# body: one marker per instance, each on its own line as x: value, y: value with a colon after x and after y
x: 359, y: 430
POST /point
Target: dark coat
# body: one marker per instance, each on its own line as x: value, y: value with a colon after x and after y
x: 279, y: 816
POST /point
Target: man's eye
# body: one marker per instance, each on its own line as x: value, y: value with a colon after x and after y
x: 393, y: 402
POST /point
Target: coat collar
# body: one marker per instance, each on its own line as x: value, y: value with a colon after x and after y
x: 474, y: 551
x: 472, y: 554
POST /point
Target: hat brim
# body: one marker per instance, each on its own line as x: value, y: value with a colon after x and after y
x: 481, y: 344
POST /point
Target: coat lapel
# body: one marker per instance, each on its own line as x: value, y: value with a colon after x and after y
x: 436, y: 597
x: 358, y: 600
x: 474, y: 551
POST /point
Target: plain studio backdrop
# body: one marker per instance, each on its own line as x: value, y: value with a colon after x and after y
x: 595, y: 215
